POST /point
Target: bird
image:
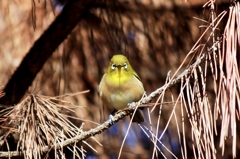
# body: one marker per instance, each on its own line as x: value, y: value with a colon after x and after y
x: 120, y: 86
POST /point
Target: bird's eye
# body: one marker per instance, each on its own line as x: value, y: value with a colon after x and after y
x: 113, y: 66
x: 125, y: 65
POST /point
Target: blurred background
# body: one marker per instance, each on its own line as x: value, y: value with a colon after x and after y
x: 155, y: 35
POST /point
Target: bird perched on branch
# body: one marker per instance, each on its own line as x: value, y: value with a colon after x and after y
x: 121, y: 85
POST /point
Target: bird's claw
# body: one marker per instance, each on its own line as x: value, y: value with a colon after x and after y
x: 130, y: 105
x: 111, y: 118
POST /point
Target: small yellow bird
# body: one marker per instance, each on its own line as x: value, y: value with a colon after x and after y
x: 121, y: 85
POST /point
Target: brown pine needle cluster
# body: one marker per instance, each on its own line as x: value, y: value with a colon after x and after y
x: 228, y: 93
x: 38, y: 122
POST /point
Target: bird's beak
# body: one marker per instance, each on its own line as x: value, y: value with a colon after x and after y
x: 119, y: 67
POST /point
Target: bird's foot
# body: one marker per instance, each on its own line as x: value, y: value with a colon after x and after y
x: 111, y: 118
x: 130, y: 105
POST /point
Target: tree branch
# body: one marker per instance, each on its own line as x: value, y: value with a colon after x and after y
x: 99, y: 129
x: 43, y: 48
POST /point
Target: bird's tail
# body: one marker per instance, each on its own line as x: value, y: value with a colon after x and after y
x: 138, y: 117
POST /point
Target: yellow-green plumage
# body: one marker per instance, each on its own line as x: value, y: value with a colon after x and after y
x: 121, y: 85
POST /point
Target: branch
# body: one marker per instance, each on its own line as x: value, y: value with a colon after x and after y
x: 43, y: 48
x: 178, y: 79
x: 99, y: 129
x: 82, y: 136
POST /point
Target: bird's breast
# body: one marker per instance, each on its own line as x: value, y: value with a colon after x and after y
x: 121, y: 99
x: 123, y: 92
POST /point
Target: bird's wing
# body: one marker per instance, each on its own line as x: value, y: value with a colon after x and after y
x: 101, y: 84
x: 136, y: 75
